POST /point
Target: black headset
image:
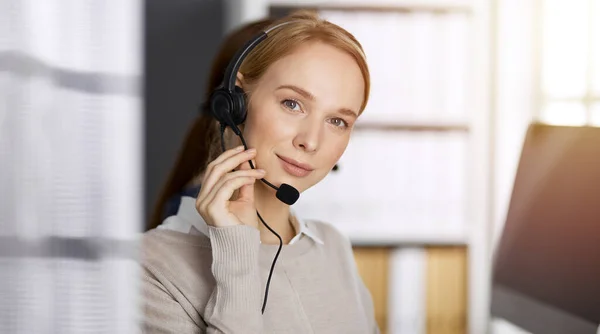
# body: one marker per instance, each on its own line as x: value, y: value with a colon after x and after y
x: 228, y: 106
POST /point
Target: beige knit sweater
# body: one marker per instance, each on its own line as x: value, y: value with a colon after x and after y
x: 215, y: 283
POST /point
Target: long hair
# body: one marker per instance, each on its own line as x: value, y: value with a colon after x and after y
x: 203, y: 132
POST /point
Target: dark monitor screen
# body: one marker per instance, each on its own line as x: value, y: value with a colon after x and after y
x: 546, y: 276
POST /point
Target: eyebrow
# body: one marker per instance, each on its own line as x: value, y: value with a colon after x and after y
x: 311, y: 97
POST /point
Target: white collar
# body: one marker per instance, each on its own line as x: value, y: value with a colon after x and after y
x: 188, y: 220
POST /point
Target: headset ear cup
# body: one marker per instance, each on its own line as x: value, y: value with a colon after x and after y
x: 240, y: 110
x: 221, y: 105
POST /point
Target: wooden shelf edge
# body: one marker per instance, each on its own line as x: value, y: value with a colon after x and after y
x: 422, y: 240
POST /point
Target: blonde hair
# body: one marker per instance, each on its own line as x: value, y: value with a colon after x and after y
x: 303, y: 27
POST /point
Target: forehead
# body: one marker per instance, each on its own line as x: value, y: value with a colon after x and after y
x: 330, y: 74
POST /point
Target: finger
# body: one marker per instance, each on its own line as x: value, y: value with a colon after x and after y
x: 226, y: 166
x: 246, y: 165
x: 206, y: 187
x: 219, y: 170
x: 224, y: 193
x: 246, y: 193
x: 254, y: 173
x: 225, y: 155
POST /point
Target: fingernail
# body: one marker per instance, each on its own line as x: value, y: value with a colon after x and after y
x: 262, y: 171
x: 252, y: 150
x: 239, y: 148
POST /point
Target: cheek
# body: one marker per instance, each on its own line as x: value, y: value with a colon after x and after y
x: 262, y: 129
x: 266, y: 124
x: 331, y: 154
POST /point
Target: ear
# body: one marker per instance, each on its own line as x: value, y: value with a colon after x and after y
x: 239, y: 81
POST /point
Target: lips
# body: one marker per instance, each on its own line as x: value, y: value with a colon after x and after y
x: 294, y: 167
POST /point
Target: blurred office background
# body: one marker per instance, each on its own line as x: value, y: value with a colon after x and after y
x: 96, y: 97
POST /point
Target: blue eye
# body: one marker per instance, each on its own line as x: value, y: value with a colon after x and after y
x: 291, y: 104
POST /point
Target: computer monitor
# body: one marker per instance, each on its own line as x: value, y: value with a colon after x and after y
x: 546, y: 271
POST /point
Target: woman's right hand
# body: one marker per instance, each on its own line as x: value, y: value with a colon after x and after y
x: 220, y: 182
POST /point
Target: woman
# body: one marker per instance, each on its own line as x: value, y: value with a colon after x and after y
x: 205, y: 267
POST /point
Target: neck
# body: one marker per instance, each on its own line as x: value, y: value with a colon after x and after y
x: 275, y: 213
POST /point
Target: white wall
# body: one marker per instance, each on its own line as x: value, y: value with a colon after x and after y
x: 514, y: 104
x: 514, y: 96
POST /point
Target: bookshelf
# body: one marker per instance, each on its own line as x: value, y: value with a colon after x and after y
x: 468, y: 241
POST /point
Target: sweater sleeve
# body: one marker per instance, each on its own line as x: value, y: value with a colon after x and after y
x: 367, y: 302
x: 235, y: 303
x: 162, y: 312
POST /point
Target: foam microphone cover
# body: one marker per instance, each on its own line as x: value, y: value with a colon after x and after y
x: 287, y: 194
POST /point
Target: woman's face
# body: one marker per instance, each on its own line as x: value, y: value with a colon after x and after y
x: 301, y: 112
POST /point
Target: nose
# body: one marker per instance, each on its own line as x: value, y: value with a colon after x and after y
x: 308, y: 137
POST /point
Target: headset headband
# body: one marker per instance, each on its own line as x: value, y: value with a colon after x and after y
x: 238, y: 58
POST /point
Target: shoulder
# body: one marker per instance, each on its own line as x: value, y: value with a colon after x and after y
x: 175, y: 280
x: 327, y: 231
x: 166, y: 244
x: 333, y: 238
x: 175, y: 258
x: 162, y: 245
